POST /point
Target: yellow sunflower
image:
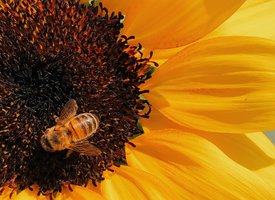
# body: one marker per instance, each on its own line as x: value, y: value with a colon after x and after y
x: 211, y: 97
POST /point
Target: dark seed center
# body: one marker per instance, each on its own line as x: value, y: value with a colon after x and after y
x: 51, y: 51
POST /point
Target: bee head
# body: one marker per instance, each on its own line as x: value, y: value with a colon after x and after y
x: 45, y: 143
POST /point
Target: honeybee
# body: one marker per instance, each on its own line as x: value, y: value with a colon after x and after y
x: 71, y: 132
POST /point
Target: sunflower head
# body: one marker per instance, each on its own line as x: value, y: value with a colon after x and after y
x: 52, y: 51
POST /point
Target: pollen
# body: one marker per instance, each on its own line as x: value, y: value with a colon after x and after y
x: 52, y: 51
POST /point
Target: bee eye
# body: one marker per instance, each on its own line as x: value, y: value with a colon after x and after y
x: 46, y: 144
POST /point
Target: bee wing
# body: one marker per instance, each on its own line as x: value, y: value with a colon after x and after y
x: 69, y: 110
x: 83, y: 146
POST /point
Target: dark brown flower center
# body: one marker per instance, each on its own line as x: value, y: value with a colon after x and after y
x: 51, y: 51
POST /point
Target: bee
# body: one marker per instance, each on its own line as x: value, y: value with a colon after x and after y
x: 71, y: 132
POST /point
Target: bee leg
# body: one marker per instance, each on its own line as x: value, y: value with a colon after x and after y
x: 69, y: 152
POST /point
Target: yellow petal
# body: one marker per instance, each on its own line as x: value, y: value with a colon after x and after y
x: 162, y: 24
x: 219, y: 85
x: 163, y: 53
x: 30, y: 195
x: 268, y: 174
x: 128, y: 183
x: 117, y: 5
x: 117, y: 187
x: 263, y: 142
x: 78, y: 192
x: 6, y: 194
x: 242, y: 148
x: 254, y: 18
x: 158, y: 121
x: 196, y: 166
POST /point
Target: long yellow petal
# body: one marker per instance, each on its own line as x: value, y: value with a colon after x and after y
x: 129, y: 183
x: 254, y: 18
x: 158, y: 121
x: 196, y: 166
x: 242, y: 148
x: 162, y: 55
x: 224, y: 84
x: 162, y: 24
x: 268, y: 174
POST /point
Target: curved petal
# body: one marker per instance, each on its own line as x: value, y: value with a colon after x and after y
x: 240, y: 148
x: 254, y: 18
x: 263, y: 142
x: 162, y: 24
x: 158, y: 121
x: 130, y: 183
x: 78, y: 192
x: 163, y: 53
x: 219, y: 85
x: 195, y: 165
x: 268, y: 174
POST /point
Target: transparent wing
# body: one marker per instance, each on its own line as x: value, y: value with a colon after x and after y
x: 69, y: 110
x: 83, y: 146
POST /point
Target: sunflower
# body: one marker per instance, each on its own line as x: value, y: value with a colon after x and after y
x: 211, y: 96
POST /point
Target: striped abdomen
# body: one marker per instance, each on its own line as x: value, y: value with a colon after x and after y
x: 82, y: 125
